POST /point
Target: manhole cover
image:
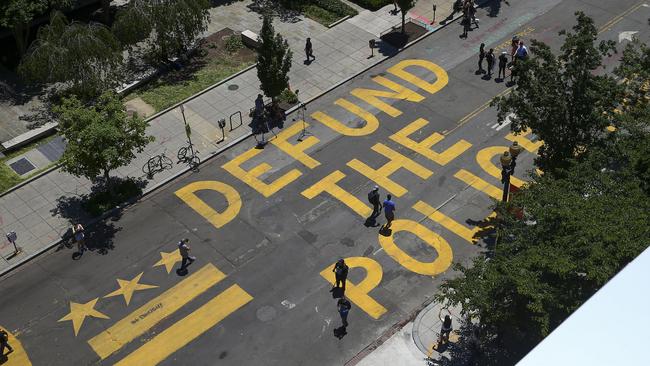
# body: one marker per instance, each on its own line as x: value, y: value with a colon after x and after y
x: 233, y: 87
x: 22, y: 166
x: 266, y: 313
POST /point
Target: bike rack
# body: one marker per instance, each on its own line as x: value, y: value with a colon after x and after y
x: 240, y: 120
x: 151, y: 163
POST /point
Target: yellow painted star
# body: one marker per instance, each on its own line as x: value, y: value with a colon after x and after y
x: 79, y: 312
x: 168, y: 260
x: 127, y: 288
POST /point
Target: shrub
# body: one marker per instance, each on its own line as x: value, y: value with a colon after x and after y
x: 288, y: 96
x: 234, y: 43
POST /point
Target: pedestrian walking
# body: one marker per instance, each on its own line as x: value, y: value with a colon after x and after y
x: 389, y: 211
x: 445, y: 328
x: 79, y: 234
x: 184, y: 250
x: 481, y: 56
x: 373, y: 198
x: 472, y: 12
x: 340, y: 273
x: 503, y: 62
x: 344, y: 307
x: 309, y: 50
x: 4, y: 342
x: 490, y: 61
x: 522, y: 52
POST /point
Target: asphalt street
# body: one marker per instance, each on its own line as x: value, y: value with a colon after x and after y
x: 268, y: 224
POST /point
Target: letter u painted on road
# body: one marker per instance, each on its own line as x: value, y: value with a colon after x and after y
x: 218, y: 219
x: 442, y: 79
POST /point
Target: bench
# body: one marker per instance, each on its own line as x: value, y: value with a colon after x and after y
x: 250, y: 38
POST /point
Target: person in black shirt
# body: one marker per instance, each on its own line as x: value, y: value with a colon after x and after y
x: 341, y: 273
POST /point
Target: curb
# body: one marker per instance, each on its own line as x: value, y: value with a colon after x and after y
x: 226, y: 147
x: 415, y: 334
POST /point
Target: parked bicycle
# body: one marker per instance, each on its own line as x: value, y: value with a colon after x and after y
x: 157, y: 163
x: 188, y: 155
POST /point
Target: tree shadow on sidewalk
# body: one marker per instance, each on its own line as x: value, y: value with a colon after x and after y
x: 285, y: 15
x: 99, y: 227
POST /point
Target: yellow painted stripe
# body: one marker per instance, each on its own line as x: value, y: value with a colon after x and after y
x: 446, y: 221
x: 479, y: 184
x: 618, y: 18
x: 151, y: 313
x: 524, y: 142
x: 187, y: 329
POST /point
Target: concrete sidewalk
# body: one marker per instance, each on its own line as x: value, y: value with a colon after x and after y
x: 42, y: 210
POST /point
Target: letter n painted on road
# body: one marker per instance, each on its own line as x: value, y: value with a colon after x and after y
x: 381, y: 175
x: 441, y: 76
x: 437, y: 266
x: 359, y: 293
x: 372, y: 123
x: 424, y: 147
x: 251, y: 177
x: 188, y: 195
x: 399, y: 92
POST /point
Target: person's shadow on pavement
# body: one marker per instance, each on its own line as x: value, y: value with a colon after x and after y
x: 340, y: 332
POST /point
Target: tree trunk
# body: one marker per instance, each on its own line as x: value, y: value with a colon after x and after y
x: 403, y: 22
x: 21, y: 34
x: 106, y: 10
x: 109, y: 183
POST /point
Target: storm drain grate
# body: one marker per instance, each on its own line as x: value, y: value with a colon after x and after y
x: 233, y: 87
x: 22, y: 166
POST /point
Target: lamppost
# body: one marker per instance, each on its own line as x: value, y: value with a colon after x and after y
x: 508, y: 163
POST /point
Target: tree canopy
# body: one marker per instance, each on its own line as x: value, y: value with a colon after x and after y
x: 561, y: 98
x: 168, y: 28
x: 273, y: 60
x: 87, y: 56
x: 101, y: 137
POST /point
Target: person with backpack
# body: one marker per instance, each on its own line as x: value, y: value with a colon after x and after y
x: 373, y: 198
x: 184, y: 250
x: 4, y: 342
x: 79, y: 234
x: 503, y: 62
x: 340, y: 273
x: 481, y: 56
x: 344, y: 307
x: 490, y: 62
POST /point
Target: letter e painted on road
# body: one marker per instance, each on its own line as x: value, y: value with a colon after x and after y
x: 399, y: 92
x: 439, y: 265
x: 372, y: 123
x: 328, y: 184
x: 218, y: 219
x: 251, y: 177
x: 441, y: 75
x: 424, y: 147
x: 381, y: 175
x: 359, y: 293
x: 297, y: 151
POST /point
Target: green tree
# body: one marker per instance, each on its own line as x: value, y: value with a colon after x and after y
x: 86, y: 56
x: 101, y: 137
x: 579, y: 231
x: 168, y: 28
x: 562, y: 99
x: 18, y: 15
x: 404, y: 7
x: 273, y: 60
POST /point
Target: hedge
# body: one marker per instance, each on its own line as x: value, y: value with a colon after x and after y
x: 372, y: 4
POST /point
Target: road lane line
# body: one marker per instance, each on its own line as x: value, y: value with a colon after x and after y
x: 187, y: 329
x: 151, y: 313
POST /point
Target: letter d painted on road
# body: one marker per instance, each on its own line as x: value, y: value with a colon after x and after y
x: 218, y: 219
